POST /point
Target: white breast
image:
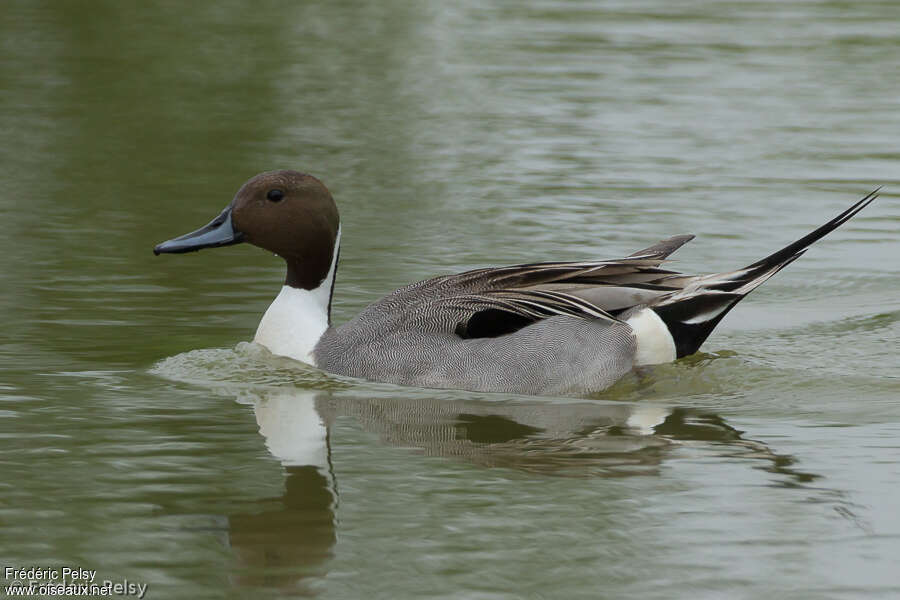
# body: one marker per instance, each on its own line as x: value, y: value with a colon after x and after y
x: 297, y: 318
x: 655, y: 344
x: 293, y: 325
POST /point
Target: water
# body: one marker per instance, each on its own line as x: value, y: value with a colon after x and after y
x: 144, y: 438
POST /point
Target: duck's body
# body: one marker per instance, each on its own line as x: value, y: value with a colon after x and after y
x: 410, y: 338
x: 544, y: 328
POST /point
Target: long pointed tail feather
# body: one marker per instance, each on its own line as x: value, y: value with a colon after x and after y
x: 692, y: 313
x: 811, y: 238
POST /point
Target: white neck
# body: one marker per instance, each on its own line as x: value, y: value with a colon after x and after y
x: 297, y: 318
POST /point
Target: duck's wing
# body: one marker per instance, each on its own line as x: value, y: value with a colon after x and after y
x: 498, y: 301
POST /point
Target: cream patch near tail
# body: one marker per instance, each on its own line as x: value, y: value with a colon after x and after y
x: 655, y: 344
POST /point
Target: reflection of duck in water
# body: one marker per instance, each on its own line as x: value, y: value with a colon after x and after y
x: 549, y: 437
x: 570, y: 438
x: 282, y: 542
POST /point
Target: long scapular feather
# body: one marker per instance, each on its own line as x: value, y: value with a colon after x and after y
x: 537, y: 303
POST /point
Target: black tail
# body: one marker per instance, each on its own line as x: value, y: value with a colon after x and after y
x: 692, y: 313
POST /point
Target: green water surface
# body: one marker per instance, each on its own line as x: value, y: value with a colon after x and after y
x: 142, y: 436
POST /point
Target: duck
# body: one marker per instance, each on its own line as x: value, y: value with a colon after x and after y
x: 543, y: 328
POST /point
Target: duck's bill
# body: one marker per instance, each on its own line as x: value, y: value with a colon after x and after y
x: 219, y: 232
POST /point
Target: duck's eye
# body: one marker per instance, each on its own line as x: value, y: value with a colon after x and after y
x: 275, y: 195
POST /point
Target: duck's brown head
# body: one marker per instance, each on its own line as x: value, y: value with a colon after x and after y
x: 286, y: 212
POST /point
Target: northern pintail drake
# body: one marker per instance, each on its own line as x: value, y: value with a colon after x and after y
x: 556, y: 328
